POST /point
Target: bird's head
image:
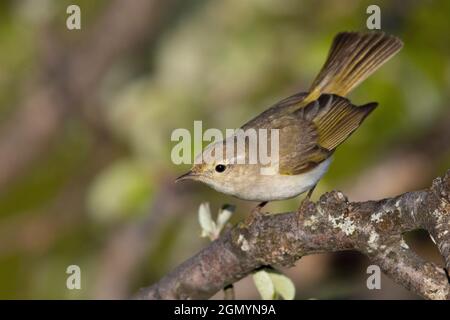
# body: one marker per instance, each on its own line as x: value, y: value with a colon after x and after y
x: 220, y: 171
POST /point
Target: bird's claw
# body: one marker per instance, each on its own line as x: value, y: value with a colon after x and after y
x: 255, y: 213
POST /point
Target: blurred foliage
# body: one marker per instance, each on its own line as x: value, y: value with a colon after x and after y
x: 222, y: 62
x: 121, y: 188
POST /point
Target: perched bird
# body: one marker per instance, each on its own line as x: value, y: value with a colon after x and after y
x: 310, y: 124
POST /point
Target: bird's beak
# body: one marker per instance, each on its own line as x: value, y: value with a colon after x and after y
x: 187, y: 176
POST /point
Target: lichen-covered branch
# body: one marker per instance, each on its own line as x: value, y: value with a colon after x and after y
x: 373, y: 228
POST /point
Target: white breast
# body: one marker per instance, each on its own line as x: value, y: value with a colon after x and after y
x: 279, y: 187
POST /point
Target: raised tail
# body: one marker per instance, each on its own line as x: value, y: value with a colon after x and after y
x: 352, y: 58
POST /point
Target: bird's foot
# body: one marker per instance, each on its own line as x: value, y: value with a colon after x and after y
x: 304, y: 203
x: 255, y: 213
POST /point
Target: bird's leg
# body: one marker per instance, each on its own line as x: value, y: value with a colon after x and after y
x: 256, y: 212
x: 307, y: 198
x: 309, y: 194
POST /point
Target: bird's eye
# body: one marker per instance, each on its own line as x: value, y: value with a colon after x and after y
x: 220, y: 168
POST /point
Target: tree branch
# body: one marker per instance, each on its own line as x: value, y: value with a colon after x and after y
x: 373, y: 228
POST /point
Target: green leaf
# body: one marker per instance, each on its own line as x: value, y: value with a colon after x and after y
x: 282, y: 284
x: 264, y: 284
x: 272, y: 283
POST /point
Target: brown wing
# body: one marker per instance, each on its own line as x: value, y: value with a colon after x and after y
x: 321, y: 126
x: 298, y: 137
x: 309, y: 135
x: 299, y: 150
x: 275, y: 112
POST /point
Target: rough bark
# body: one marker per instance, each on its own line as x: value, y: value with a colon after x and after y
x: 373, y: 228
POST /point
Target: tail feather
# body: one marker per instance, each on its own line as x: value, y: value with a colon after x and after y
x: 352, y: 58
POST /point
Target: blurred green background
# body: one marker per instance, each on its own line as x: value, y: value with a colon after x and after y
x: 86, y: 117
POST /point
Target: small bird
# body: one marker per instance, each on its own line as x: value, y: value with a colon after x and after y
x: 311, y: 125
